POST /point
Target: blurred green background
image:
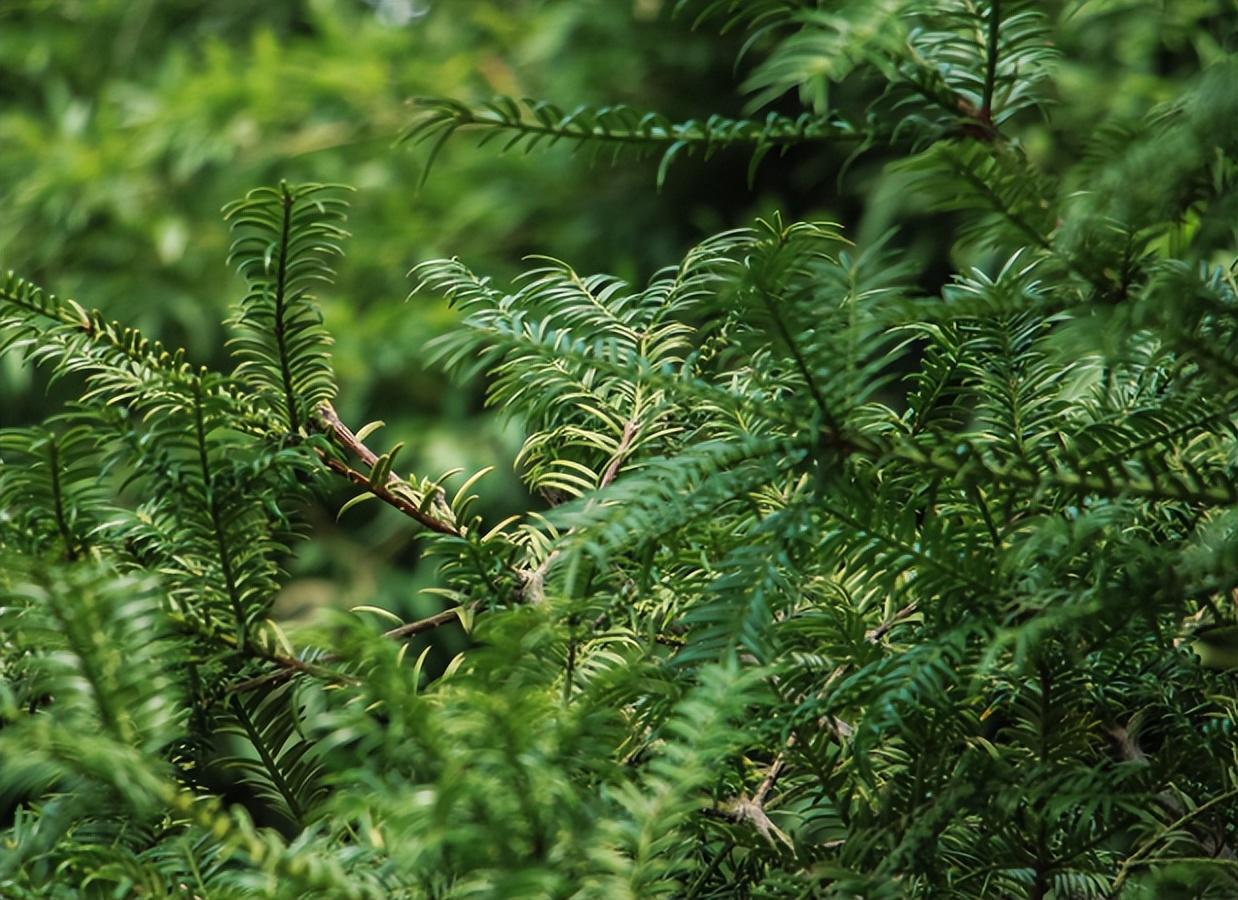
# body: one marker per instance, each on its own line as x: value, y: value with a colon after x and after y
x: 126, y: 124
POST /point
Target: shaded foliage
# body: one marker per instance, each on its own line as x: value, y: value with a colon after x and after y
x: 841, y: 586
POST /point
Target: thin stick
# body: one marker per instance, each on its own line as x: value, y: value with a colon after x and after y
x: 429, y: 623
x: 621, y: 453
x: 344, y: 435
x: 290, y: 667
x: 875, y: 634
x: 390, y: 493
x: 388, y: 496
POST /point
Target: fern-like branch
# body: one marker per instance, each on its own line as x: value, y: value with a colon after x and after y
x: 286, y: 240
x: 529, y: 123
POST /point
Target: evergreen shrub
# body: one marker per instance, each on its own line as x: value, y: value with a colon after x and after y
x: 835, y: 585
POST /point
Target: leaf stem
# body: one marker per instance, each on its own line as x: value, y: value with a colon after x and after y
x: 217, y: 518
x: 344, y: 437
x: 281, y: 287
x: 62, y: 524
x: 990, y: 74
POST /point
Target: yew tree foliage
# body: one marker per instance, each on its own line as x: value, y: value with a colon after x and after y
x: 838, y: 589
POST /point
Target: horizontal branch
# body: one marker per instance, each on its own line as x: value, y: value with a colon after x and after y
x: 968, y: 466
x: 290, y: 667
x: 527, y: 123
x: 622, y: 125
x: 421, y: 626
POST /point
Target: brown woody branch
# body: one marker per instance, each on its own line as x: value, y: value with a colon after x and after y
x: 752, y: 809
x: 387, y: 495
x: 873, y: 635
x: 392, y: 491
x: 290, y: 667
x: 429, y: 623
x: 621, y: 453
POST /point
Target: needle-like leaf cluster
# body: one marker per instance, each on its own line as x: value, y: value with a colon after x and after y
x: 836, y: 586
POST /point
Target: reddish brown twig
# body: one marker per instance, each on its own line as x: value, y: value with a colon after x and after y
x: 752, y: 809
x: 289, y: 667
x: 429, y: 623
x: 873, y: 635
x: 391, y: 492
x: 390, y: 497
x: 270, y: 679
x: 344, y: 435
x: 621, y: 453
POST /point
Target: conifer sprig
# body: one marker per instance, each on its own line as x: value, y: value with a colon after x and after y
x: 285, y: 243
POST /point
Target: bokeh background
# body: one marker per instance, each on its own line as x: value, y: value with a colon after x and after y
x: 125, y: 125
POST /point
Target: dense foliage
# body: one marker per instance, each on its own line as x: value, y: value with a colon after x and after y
x: 833, y: 585
x: 125, y: 125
